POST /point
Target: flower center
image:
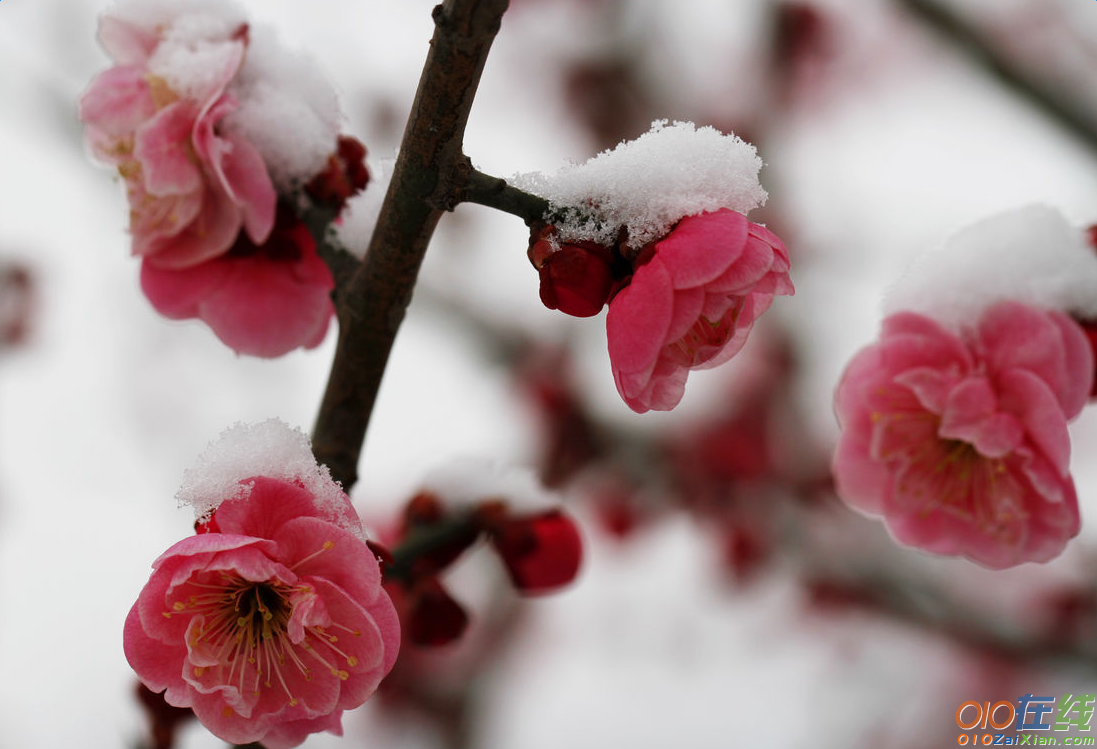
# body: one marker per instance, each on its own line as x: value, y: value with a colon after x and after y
x: 241, y: 634
x: 948, y: 475
x: 704, y: 339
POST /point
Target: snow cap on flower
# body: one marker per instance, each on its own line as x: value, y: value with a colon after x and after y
x: 1031, y: 255
x: 272, y: 449
x: 647, y: 185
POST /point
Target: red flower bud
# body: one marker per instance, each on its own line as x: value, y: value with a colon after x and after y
x: 344, y: 175
x: 575, y: 278
x: 541, y: 552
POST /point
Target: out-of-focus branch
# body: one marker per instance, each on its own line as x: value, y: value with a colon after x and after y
x: 1056, y: 102
x: 427, y: 178
x: 459, y: 529
x: 924, y: 607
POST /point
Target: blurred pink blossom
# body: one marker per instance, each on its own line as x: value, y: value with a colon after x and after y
x: 191, y: 183
x: 960, y: 441
x: 261, y: 300
x: 270, y: 624
x: 692, y: 301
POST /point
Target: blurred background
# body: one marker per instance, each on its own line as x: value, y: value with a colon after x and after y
x: 727, y: 598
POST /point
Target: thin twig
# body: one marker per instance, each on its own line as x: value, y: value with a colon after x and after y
x: 494, y: 192
x: 427, y: 179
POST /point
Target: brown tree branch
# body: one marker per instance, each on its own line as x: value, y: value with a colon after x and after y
x: 494, y: 192
x: 428, y: 178
x: 1056, y: 102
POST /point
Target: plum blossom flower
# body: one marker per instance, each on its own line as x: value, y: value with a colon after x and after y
x: 191, y: 182
x: 691, y: 304
x: 270, y: 622
x: 207, y: 128
x: 959, y: 440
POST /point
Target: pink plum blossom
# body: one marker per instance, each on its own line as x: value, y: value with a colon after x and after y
x: 692, y: 304
x: 261, y: 300
x: 960, y: 440
x: 192, y: 184
x: 270, y: 623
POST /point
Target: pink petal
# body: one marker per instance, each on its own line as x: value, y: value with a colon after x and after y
x: 126, y: 43
x: 661, y: 390
x: 249, y: 184
x: 348, y: 562
x: 945, y: 346
x: 115, y: 104
x: 780, y: 254
x: 162, y: 146
x: 639, y: 318
x: 290, y: 733
x: 752, y: 265
x: 701, y: 247
x: 157, y: 664
x: 970, y: 415
x: 263, y: 511
x: 1048, y: 344
x: 931, y: 386
x: 688, y: 304
x: 208, y: 235
x: 270, y: 307
x: 178, y: 294
x: 1078, y: 366
x: 1030, y: 399
x: 859, y: 479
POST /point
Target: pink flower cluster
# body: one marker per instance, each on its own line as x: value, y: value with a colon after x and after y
x: 687, y: 301
x: 270, y: 622
x: 960, y: 440
x: 198, y: 192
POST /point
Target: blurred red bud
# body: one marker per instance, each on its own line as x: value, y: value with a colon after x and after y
x: 430, y: 615
x: 541, y: 552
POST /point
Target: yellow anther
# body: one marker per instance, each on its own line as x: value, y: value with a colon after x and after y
x: 226, y: 711
x: 198, y: 670
x: 293, y: 702
x: 352, y: 661
x: 167, y: 614
x: 179, y: 605
x: 329, y: 545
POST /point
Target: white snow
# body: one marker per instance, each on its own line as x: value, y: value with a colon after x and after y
x: 468, y: 480
x: 648, y: 184
x: 270, y: 448
x: 1031, y: 255
x: 288, y: 110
